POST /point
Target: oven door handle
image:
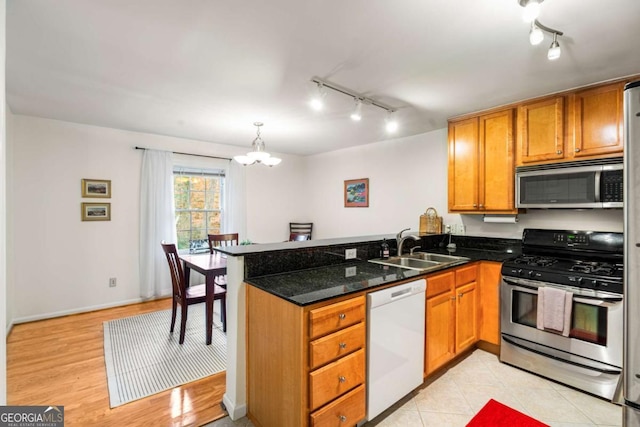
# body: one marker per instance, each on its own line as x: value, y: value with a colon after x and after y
x: 587, y: 299
x: 571, y: 362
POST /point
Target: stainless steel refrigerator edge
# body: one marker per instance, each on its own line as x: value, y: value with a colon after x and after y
x: 631, y: 364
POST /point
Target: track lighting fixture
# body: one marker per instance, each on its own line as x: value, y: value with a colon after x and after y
x: 357, y: 111
x: 359, y: 101
x: 258, y: 153
x: 536, y: 33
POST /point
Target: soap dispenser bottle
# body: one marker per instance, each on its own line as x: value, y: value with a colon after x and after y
x: 384, y: 249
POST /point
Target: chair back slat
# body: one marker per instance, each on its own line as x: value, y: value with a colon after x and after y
x: 177, y: 274
x: 221, y: 240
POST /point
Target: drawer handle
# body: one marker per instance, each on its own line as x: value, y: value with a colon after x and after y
x: 342, y: 418
x: 343, y: 345
x: 342, y: 316
x: 342, y: 379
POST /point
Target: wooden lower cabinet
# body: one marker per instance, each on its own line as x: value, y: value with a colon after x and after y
x: 306, y: 366
x: 451, y: 315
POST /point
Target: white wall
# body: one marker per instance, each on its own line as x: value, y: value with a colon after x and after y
x: 61, y: 264
x: 407, y: 176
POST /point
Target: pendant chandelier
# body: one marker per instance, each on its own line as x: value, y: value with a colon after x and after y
x: 257, y: 153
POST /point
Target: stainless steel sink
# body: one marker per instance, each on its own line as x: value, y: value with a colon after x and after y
x: 422, y: 261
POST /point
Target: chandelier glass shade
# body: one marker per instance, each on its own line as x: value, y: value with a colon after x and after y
x: 257, y: 153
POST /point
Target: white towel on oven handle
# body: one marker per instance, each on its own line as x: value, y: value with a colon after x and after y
x: 554, y: 310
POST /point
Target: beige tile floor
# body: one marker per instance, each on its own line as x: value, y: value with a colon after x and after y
x: 452, y: 399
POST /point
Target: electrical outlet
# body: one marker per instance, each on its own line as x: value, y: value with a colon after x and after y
x: 457, y: 228
x: 112, y: 282
x: 350, y: 271
x: 350, y: 253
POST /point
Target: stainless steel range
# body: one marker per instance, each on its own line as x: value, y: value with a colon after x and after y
x: 562, y: 308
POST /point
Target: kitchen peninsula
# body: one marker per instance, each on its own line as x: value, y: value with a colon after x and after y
x: 323, y: 276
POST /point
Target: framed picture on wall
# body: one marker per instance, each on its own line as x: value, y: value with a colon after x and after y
x: 96, y: 188
x: 96, y: 211
x: 356, y: 193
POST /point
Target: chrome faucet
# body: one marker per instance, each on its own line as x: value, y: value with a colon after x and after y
x: 400, y: 240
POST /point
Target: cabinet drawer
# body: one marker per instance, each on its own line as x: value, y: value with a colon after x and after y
x: 345, y: 411
x: 466, y: 275
x: 439, y: 283
x: 345, y: 341
x: 329, y: 382
x: 334, y: 317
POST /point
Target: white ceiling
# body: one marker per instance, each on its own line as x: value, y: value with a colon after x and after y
x: 207, y: 69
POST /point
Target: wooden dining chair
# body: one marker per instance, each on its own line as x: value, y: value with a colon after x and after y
x: 222, y: 240
x: 297, y: 229
x: 188, y: 295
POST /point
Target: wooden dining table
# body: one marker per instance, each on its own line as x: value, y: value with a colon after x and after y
x: 211, y: 266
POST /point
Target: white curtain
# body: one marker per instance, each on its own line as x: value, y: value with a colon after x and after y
x: 234, y: 219
x: 157, y: 222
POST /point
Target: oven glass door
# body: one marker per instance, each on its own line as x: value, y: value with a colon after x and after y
x: 588, y: 321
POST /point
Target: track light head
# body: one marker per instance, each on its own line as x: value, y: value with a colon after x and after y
x: 554, y: 50
x: 357, y: 111
x: 391, y: 123
x: 317, y: 101
x: 531, y: 9
x: 535, y: 34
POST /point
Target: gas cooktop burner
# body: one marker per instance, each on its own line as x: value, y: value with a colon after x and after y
x: 535, y: 260
x: 600, y: 268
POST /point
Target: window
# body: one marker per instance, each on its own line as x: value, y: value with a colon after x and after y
x: 199, y: 207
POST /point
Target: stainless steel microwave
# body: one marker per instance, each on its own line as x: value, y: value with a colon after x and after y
x: 582, y: 184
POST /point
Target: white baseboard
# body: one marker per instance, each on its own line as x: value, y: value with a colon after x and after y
x: 73, y: 311
x: 235, y: 412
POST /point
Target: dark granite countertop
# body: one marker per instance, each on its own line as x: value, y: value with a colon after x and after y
x: 319, y: 283
x: 304, y: 287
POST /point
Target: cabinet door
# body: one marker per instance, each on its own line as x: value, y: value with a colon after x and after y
x: 439, y: 340
x: 596, y: 121
x: 466, y: 316
x: 496, y: 179
x: 463, y: 165
x: 541, y: 130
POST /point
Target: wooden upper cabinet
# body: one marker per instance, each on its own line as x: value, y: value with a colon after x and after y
x: 595, y: 121
x: 496, y: 182
x: 541, y: 130
x: 463, y: 165
x: 481, y: 163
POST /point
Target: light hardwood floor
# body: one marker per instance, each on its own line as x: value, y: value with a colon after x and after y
x: 61, y: 362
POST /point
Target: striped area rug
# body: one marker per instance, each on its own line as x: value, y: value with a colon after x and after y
x: 142, y: 358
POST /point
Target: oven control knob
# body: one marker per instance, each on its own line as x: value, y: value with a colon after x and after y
x: 578, y: 280
x: 530, y: 273
x: 595, y: 283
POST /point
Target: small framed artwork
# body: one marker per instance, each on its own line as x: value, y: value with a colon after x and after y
x: 96, y: 211
x: 356, y: 193
x: 96, y: 188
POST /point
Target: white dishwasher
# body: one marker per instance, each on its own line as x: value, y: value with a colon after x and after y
x: 395, y: 351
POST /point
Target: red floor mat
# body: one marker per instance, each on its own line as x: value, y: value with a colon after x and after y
x: 495, y: 414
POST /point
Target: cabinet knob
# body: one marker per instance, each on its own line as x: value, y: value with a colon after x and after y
x: 559, y: 152
x: 459, y: 295
x: 342, y: 418
x: 482, y: 206
x: 343, y: 345
x: 342, y: 379
x: 577, y: 150
x: 342, y: 316
x: 475, y: 205
x: 453, y: 298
